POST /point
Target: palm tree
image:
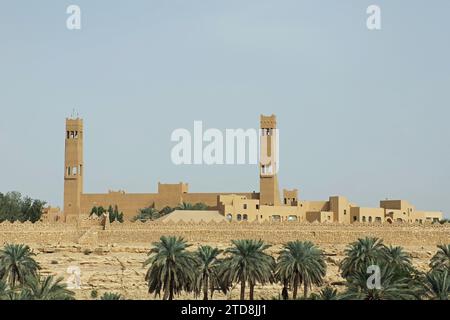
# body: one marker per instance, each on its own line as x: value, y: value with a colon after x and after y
x: 398, y: 258
x: 190, y: 206
x: 47, y: 288
x: 247, y: 262
x: 4, y: 290
x: 16, y: 263
x: 18, y: 294
x: 327, y: 293
x: 200, y: 206
x: 437, y: 285
x: 207, y: 276
x: 185, y: 206
x: 111, y: 296
x: 361, y: 254
x: 301, y: 263
x: 146, y: 214
x: 172, y: 268
x: 441, y: 260
x: 393, y: 286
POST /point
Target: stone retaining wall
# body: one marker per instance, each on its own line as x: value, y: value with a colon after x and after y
x: 222, y: 232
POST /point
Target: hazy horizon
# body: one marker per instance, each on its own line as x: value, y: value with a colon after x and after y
x: 362, y: 114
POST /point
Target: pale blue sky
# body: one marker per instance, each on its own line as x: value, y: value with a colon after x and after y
x: 361, y: 113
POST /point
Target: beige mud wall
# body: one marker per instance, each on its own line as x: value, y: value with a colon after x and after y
x: 223, y: 232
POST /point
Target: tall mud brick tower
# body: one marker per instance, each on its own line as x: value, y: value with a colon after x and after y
x: 73, y: 168
x: 268, y: 161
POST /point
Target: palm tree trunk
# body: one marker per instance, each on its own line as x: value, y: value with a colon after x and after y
x: 13, y: 285
x: 294, y: 291
x: 171, y: 287
x: 242, y: 289
x: 305, y: 290
x: 205, y: 288
x: 211, y: 285
x: 252, y: 290
x: 171, y: 293
x: 166, y: 289
x: 285, y: 292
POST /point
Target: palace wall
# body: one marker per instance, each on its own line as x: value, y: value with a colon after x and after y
x: 130, y: 203
x: 90, y: 232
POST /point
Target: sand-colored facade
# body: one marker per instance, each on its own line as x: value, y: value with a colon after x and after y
x: 267, y: 205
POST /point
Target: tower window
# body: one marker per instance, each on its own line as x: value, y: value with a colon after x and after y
x: 68, y: 171
x: 68, y: 134
x: 245, y: 206
x: 245, y: 217
x: 257, y: 207
x: 81, y: 166
x: 76, y: 134
x: 239, y: 217
x: 75, y: 171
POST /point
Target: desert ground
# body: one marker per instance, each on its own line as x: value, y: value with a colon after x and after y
x: 119, y: 268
